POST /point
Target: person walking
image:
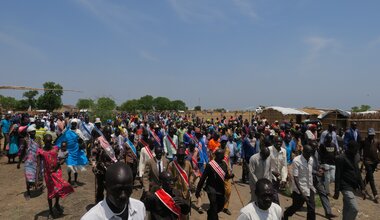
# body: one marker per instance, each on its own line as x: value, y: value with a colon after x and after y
x: 56, y: 186
x: 303, y: 189
x: 348, y: 179
x: 214, y: 175
x: 370, y: 158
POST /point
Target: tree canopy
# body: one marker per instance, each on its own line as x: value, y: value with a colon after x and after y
x: 31, y: 100
x: 50, y: 99
x: 362, y: 108
x: 104, y: 107
x: 9, y: 103
x: 148, y: 103
x: 105, y: 103
x: 198, y: 108
x: 85, y: 103
x: 130, y: 105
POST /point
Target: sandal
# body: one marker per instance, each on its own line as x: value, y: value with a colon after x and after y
x: 59, y: 209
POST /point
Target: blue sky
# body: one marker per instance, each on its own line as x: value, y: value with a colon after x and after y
x: 223, y: 53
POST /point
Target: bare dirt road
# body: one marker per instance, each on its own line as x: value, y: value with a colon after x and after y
x: 13, y: 205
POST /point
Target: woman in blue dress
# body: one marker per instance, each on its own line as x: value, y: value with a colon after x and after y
x: 13, y: 143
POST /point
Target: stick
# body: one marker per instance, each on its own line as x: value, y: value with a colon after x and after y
x: 190, y: 202
x: 96, y: 183
x: 233, y: 183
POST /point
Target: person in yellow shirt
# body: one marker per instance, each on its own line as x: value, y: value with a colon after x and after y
x: 40, y: 131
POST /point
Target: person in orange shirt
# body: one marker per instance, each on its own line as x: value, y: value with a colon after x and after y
x: 214, y: 143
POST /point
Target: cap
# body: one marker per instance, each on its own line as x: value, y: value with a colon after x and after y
x: 371, y: 131
x: 97, y: 120
x: 224, y: 138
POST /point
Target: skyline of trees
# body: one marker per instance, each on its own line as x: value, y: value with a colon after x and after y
x: 51, y: 100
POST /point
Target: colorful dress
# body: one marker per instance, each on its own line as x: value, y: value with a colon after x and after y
x: 13, y: 145
x: 77, y: 157
x: 55, y: 183
x: 30, y: 159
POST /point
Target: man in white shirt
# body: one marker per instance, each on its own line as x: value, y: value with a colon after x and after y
x: 117, y: 205
x: 303, y: 189
x: 170, y: 144
x: 86, y: 128
x: 147, y: 151
x: 264, y: 208
x: 279, y: 166
x: 259, y: 167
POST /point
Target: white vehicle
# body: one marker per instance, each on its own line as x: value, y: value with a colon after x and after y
x: 259, y: 109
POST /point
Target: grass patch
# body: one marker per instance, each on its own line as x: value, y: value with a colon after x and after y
x: 318, y: 202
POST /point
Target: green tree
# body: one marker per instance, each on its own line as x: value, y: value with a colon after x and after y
x: 198, y: 108
x: 104, y: 108
x: 130, y: 106
x: 30, y: 95
x: 23, y: 105
x: 161, y: 103
x: 51, y: 99
x: 146, y: 103
x: 355, y: 109
x: 105, y: 103
x: 85, y: 103
x: 8, y: 103
x: 220, y: 110
x: 178, y: 105
x: 362, y: 108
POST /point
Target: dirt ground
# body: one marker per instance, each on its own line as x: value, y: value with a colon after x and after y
x: 13, y: 204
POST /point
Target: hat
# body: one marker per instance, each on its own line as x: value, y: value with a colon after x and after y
x: 74, y: 120
x: 31, y: 128
x: 32, y: 120
x: 371, y: 131
x: 97, y: 120
x: 224, y: 138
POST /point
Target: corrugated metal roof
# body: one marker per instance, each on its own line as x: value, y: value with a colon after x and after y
x: 366, y: 112
x: 287, y: 111
x: 312, y: 111
x: 342, y: 112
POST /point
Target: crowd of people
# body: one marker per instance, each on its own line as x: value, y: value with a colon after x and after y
x: 177, y: 159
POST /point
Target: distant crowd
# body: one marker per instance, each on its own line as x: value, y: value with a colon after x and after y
x: 178, y: 159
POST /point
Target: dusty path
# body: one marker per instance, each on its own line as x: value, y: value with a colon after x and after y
x: 14, y: 206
